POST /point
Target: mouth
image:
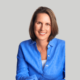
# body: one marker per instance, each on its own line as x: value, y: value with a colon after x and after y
x: 42, y: 34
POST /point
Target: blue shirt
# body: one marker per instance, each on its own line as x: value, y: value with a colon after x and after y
x: 29, y: 63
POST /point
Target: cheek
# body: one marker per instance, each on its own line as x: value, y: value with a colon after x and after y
x: 49, y: 29
x: 36, y: 28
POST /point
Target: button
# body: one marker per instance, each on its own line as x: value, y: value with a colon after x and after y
x: 48, y: 55
x: 48, y: 45
x: 46, y: 65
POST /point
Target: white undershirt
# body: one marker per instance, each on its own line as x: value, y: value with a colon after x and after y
x: 43, y: 62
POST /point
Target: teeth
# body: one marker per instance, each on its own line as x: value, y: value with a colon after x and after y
x: 42, y: 33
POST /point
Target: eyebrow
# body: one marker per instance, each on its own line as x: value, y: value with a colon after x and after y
x: 41, y: 22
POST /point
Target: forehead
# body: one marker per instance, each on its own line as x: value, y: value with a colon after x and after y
x: 43, y: 17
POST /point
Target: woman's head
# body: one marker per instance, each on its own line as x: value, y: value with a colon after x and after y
x: 43, y: 21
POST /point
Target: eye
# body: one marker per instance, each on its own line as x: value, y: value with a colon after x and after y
x: 47, y: 24
x: 38, y: 22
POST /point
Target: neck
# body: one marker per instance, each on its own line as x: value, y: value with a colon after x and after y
x: 42, y: 44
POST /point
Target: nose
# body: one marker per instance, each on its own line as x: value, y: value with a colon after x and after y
x: 42, y: 27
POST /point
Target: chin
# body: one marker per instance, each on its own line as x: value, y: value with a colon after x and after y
x: 42, y: 38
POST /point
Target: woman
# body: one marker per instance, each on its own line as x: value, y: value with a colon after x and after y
x: 43, y: 56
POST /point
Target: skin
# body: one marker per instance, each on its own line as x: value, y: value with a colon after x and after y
x: 42, y: 24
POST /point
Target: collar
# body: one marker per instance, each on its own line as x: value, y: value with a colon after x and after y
x: 32, y: 42
x: 51, y: 42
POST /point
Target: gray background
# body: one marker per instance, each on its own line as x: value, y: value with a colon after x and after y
x: 15, y: 16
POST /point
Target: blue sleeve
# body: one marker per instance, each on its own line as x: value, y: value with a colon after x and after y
x: 64, y: 73
x: 22, y: 72
x: 64, y: 62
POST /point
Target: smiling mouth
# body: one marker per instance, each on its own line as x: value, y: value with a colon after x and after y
x: 42, y: 34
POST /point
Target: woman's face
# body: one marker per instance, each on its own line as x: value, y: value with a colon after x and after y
x: 42, y: 26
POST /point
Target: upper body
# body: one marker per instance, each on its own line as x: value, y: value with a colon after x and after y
x: 42, y: 46
x: 29, y: 65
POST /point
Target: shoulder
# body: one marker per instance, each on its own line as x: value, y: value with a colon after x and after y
x: 58, y: 41
x: 25, y: 42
